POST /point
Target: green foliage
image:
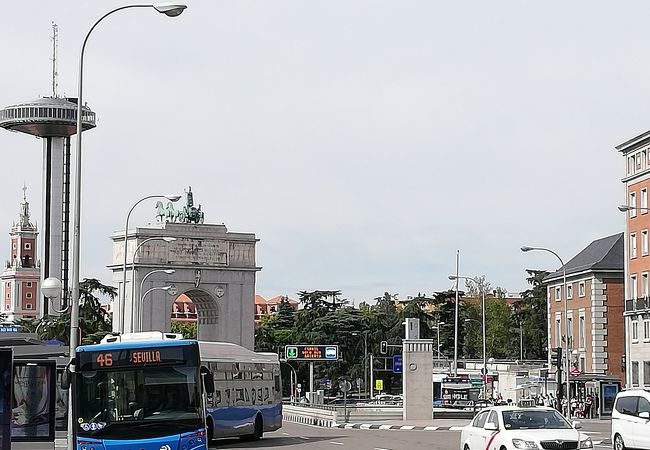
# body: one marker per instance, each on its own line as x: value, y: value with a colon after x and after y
x: 27, y: 325
x: 94, y: 321
x: 532, y: 314
x: 187, y: 329
x: 285, y: 314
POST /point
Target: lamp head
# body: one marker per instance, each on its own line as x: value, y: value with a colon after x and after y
x: 165, y: 288
x: 169, y: 271
x: 172, y: 198
x: 452, y: 277
x: 526, y: 248
x: 170, y: 9
x: 169, y: 239
x: 51, y: 287
x: 623, y: 208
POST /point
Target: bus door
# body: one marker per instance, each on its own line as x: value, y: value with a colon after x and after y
x: 33, y: 406
x: 6, y: 377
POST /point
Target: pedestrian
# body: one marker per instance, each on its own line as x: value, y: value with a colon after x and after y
x: 588, y: 403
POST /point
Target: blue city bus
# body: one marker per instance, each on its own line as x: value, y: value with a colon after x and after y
x: 155, y: 391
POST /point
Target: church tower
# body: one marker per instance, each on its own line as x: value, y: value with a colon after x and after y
x: 21, y: 274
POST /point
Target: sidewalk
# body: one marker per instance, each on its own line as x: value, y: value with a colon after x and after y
x: 414, y: 425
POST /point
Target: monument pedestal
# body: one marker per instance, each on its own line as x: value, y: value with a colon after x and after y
x: 417, y: 379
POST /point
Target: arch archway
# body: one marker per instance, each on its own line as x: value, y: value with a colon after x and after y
x: 196, y: 306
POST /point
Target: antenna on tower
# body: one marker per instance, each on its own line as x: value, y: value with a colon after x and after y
x: 55, y: 73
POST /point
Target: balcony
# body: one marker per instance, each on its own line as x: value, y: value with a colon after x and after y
x: 636, y: 305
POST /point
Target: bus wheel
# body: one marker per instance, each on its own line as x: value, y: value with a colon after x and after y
x: 257, y: 432
x: 210, y: 431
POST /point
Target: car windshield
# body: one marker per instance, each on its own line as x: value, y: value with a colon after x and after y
x: 111, y: 400
x: 520, y: 419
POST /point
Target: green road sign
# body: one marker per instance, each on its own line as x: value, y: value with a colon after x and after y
x: 292, y: 352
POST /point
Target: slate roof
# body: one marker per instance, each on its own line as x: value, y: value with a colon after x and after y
x: 605, y: 254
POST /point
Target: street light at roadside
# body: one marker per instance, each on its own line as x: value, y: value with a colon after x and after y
x: 364, y: 335
x: 141, y: 300
x: 161, y: 288
x: 172, y: 198
x: 566, y: 320
x: 135, y: 253
x: 170, y: 10
x: 483, y: 313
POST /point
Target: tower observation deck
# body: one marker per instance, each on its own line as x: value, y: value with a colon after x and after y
x: 55, y: 120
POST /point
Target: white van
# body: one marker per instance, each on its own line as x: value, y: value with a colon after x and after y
x: 631, y: 420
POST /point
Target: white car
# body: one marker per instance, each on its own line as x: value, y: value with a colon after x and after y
x: 512, y: 427
x: 631, y: 420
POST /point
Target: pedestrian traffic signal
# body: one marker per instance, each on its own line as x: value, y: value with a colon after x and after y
x: 383, y: 347
x: 556, y: 357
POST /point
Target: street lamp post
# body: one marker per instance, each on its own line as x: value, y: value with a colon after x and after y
x: 364, y: 335
x: 566, y: 320
x: 628, y: 359
x: 160, y: 288
x: 135, y: 253
x: 483, y: 314
x: 173, y: 198
x: 141, y: 299
x: 171, y: 11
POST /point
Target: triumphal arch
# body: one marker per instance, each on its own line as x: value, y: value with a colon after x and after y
x: 212, y: 266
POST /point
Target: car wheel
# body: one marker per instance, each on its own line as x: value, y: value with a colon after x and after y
x: 618, y: 442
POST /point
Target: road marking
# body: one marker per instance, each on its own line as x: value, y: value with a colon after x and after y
x: 365, y: 426
x: 286, y: 434
x: 407, y: 427
x: 304, y: 438
x: 430, y: 428
x: 337, y: 443
x: 379, y: 448
x: 384, y: 427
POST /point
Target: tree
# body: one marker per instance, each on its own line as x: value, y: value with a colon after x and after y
x: 187, y: 329
x: 94, y: 321
x: 27, y: 325
x: 285, y: 314
x: 531, y: 312
x: 500, y: 332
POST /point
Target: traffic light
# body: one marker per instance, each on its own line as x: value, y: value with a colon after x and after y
x: 383, y: 347
x: 556, y: 357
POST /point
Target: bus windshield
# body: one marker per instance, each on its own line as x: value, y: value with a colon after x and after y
x: 162, y: 400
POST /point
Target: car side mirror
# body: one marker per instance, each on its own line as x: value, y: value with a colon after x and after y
x: 644, y: 415
x: 576, y: 424
x: 491, y: 426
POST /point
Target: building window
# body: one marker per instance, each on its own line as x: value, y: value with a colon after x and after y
x: 28, y: 295
x: 644, y: 284
x: 630, y: 165
x: 28, y: 306
x: 644, y: 201
x: 635, y: 373
x: 28, y: 245
x: 7, y: 307
x: 646, y: 373
x: 13, y: 245
x: 569, y: 291
x: 632, y: 204
x: 646, y: 330
x: 29, y: 284
x: 583, y: 364
x: 644, y: 243
x: 632, y: 245
x: 581, y: 331
x: 570, y: 324
x: 581, y: 289
x: 558, y: 335
x: 634, y: 293
x: 635, y: 331
x: 558, y: 293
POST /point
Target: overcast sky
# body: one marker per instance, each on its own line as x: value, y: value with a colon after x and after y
x: 363, y: 142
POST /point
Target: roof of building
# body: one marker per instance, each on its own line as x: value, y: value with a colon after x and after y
x: 278, y: 299
x: 259, y: 300
x: 605, y: 254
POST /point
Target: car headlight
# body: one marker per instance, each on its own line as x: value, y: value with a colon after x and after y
x: 520, y: 443
x: 586, y: 443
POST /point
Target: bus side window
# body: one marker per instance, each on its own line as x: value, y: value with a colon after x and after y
x: 266, y: 394
x: 248, y: 399
x: 240, y: 395
x: 228, y: 397
x: 277, y: 383
x: 217, y: 397
x: 259, y: 395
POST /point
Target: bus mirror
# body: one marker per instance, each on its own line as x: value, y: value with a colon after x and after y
x: 208, y: 380
x: 65, y: 379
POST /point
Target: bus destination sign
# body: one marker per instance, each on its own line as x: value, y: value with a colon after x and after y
x: 132, y: 357
x: 312, y: 352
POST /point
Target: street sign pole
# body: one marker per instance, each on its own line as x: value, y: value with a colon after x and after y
x: 311, y: 378
x: 372, y: 381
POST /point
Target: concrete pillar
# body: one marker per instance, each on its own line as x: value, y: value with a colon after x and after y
x: 417, y: 378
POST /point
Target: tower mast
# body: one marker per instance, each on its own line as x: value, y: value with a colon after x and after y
x: 55, y: 73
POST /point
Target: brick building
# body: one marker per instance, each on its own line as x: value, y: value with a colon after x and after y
x: 636, y: 154
x: 594, y: 297
x: 21, y: 275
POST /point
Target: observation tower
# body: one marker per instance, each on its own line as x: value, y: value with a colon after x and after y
x: 54, y: 120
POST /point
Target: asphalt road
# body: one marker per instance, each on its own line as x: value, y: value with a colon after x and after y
x: 297, y: 437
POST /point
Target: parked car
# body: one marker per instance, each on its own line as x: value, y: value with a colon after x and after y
x: 512, y: 427
x: 631, y: 420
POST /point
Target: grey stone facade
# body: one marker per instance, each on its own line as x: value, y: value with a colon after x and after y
x: 214, y: 267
